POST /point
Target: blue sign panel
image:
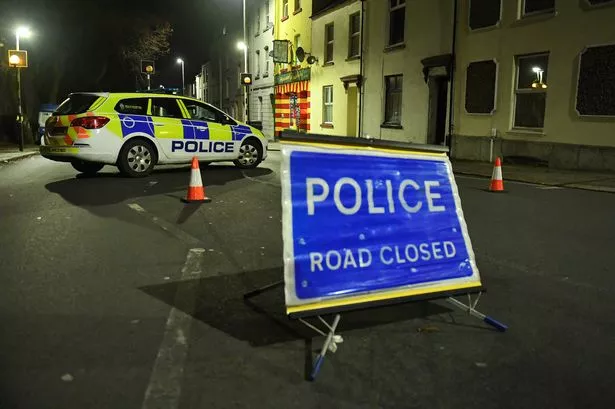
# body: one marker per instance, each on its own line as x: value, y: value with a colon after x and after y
x: 360, y: 221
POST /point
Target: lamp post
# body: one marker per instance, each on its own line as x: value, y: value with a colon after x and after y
x: 243, y: 46
x: 25, y: 33
x: 180, y: 61
x: 245, y: 63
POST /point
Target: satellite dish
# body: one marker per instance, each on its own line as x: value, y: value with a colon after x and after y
x: 300, y: 54
x: 311, y: 59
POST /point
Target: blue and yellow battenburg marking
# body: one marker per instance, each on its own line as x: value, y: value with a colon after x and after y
x: 136, y: 123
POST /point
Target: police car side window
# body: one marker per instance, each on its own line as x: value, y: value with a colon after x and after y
x: 166, y: 107
x: 132, y: 106
x: 201, y: 112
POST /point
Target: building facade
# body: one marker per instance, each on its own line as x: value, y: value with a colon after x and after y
x: 336, y: 75
x: 535, y: 80
x: 260, y: 42
x: 292, y: 24
x: 407, y: 66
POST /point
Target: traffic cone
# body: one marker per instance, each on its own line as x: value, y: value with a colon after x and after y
x: 497, y: 183
x: 196, y: 191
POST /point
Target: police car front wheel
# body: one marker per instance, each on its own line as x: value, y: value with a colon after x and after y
x: 250, y: 155
x: 137, y: 158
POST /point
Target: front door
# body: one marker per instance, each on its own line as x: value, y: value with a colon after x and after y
x: 438, y: 91
x: 168, y: 128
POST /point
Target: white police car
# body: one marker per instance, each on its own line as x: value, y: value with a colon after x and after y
x: 137, y: 131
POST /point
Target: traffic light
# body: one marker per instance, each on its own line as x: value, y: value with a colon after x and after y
x: 246, y: 79
x: 18, y: 58
x: 147, y: 67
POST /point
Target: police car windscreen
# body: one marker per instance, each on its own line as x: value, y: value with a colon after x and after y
x: 76, y: 104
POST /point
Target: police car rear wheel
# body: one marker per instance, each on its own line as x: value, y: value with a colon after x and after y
x: 250, y: 155
x: 137, y: 158
x: 89, y: 168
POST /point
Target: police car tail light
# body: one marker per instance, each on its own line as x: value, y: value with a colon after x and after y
x: 90, y: 122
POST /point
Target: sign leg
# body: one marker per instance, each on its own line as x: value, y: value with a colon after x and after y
x: 470, y: 310
x: 326, y: 346
x: 261, y: 290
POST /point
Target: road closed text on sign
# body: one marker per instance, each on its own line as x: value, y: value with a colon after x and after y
x: 359, y: 222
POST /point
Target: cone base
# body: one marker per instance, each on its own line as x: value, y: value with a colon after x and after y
x: 495, y: 191
x: 186, y: 200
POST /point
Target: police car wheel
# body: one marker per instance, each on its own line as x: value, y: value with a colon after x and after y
x: 89, y: 168
x: 250, y: 155
x: 137, y: 158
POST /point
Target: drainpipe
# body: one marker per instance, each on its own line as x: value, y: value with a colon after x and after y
x: 360, y: 133
x: 447, y: 139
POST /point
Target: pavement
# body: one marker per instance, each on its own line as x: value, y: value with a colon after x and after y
x: 116, y: 295
x: 9, y: 153
x: 597, y: 181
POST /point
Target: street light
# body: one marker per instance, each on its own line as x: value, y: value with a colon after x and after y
x: 180, y: 61
x: 242, y: 46
x: 20, y: 32
x: 245, y: 62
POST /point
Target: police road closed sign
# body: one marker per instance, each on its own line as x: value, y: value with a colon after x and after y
x: 368, y: 224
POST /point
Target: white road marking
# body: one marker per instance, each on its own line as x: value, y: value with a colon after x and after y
x: 166, y: 226
x: 164, y: 388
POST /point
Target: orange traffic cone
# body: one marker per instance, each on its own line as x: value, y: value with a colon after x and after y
x: 497, y: 183
x: 196, y: 191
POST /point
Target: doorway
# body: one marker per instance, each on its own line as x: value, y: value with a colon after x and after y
x: 436, y: 125
x: 352, y: 111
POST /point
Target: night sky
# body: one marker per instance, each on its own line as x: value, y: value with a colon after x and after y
x: 78, y: 41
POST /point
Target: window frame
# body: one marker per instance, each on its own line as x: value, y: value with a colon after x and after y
x: 296, y: 45
x: 329, y: 41
x: 297, y: 6
x: 523, y: 14
x: 399, y: 5
x: 267, y: 15
x: 352, y: 34
x: 517, y: 91
x: 258, y: 20
x: 266, y: 55
x: 496, y: 86
x: 385, y: 123
x: 326, y: 104
x: 285, y: 9
x: 146, y: 99
x: 257, y: 60
x: 219, y: 115
x: 597, y: 6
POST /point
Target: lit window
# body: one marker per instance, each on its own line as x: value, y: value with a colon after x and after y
x: 531, y: 91
x: 327, y: 104
x: 397, y: 21
x: 392, y: 106
x: 354, y: 43
x: 329, y: 37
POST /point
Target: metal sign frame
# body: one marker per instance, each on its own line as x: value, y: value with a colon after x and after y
x: 281, y: 51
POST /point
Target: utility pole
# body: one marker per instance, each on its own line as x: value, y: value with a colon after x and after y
x: 19, y: 101
x: 245, y: 64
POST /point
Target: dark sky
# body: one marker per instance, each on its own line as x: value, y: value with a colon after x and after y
x: 88, y: 34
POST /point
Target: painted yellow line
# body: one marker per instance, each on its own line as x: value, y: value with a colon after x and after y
x: 360, y: 299
x: 365, y: 148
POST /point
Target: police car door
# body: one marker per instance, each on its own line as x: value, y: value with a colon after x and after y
x: 213, y: 136
x: 168, y: 129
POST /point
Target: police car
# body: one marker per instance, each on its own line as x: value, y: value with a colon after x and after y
x: 137, y: 131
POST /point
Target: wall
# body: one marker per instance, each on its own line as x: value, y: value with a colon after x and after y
x: 323, y: 75
x: 564, y: 35
x: 427, y: 33
x: 262, y: 40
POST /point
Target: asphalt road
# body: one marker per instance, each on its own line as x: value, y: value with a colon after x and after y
x: 116, y: 295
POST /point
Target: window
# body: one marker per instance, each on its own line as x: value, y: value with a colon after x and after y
x: 266, y: 74
x: 202, y: 112
x: 267, y: 16
x: 76, y: 104
x: 397, y: 21
x: 132, y: 106
x: 600, y: 2
x: 329, y: 37
x: 484, y: 13
x: 260, y: 109
x: 297, y: 6
x: 258, y: 21
x: 596, y: 84
x: 257, y: 62
x: 226, y: 87
x: 166, y: 107
x: 531, y: 91
x: 284, y: 9
x: 327, y: 104
x: 537, y: 6
x: 354, y: 43
x: 297, y: 45
x: 480, y: 87
x: 392, y: 104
